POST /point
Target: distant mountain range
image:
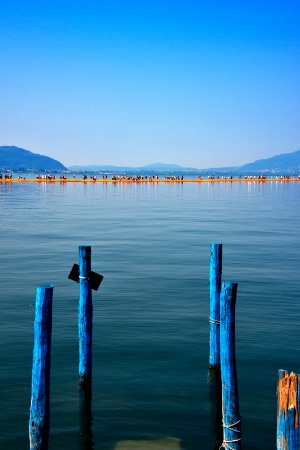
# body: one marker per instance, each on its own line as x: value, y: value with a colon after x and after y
x: 158, y: 167
x: 287, y: 163
x: 15, y: 158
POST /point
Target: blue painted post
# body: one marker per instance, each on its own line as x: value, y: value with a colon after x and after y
x: 231, y: 414
x: 288, y: 437
x: 214, y: 315
x: 85, y: 317
x: 39, y: 422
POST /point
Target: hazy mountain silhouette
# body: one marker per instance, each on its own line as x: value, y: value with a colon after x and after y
x: 15, y: 158
x: 287, y: 162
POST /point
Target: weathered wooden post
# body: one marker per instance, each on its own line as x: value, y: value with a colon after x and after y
x: 288, y: 433
x: 85, y: 317
x: 230, y: 401
x: 39, y: 422
x: 214, y: 375
x: 214, y: 315
x: 87, y: 280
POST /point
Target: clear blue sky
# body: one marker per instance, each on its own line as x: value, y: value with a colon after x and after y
x: 133, y: 82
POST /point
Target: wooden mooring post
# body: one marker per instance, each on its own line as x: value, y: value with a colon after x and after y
x: 288, y: 400
x: 39, y: 422
x: 85, y: 317
x: 215, y: 275
x: 214, y: 374
x: 230, y: 401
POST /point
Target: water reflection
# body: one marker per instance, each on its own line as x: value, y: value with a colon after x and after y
x: 215, y: 396
x: 85, y: 433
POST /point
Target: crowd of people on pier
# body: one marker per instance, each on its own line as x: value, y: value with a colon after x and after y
x: 138, y: 178
x: 50, y: 177
x: 45, y: 177
x: 134, y: 178
x: 230, y: 177
x: 174, y: 178
x: 287, y: 177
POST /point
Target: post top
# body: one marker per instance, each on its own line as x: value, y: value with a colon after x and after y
x: 229, y: 284
x: 46, y: 286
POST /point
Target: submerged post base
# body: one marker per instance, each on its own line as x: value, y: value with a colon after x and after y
x: 85, y: 382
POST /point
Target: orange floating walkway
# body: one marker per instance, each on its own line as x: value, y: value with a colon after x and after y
x: 234, y: 180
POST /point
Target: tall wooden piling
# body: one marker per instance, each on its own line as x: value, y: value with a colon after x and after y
x: 288, y: 433
x: 85, y: 317
x: 39, y: 422
x: 230, y: 401
x: 214, y: 315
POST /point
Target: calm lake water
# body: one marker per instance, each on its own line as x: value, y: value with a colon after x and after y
x: 151, y: 332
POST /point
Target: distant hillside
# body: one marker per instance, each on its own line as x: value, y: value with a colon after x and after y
x: 96, y: 168
x: 15, y: 158
x: 162, y: 166
x: 287, y: 162
x: 158, y: 167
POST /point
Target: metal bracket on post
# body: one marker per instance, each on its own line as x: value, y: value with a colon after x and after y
x: 95, y: 278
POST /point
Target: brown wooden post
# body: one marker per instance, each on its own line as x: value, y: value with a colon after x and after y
x: 288, y: 434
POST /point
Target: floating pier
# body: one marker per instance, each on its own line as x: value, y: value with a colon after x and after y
x: 148, y: 181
